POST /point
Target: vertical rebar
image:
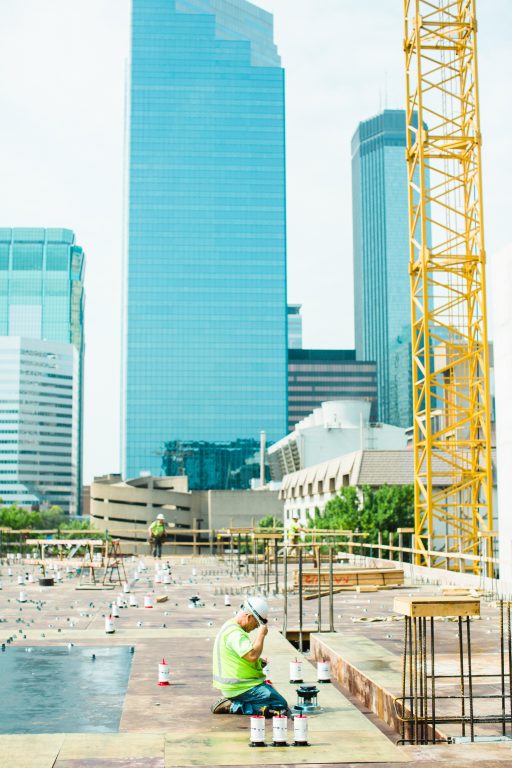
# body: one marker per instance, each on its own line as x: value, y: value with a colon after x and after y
x: 411, y: 691
x: 462, y: 684
x: 255, y: 558
x: 276, y: 567
x: 404, y: 675
x: 432, y: 680
x: 319, y: 570
x: 239, y: 552
x: 285, y: 581
x: 509, y: 638
x: 415, y: 680
x: 470, y: 680
x: 267, y: 562
x: 300, y: 599
x: 502, y: 669
x: 425, y: 680
x: 331, y: 590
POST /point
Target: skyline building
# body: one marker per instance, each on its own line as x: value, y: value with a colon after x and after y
x: 205, y: 347
x: 39, y: 423
x: 41, y: 382
x: 294, y: 326
x: 381, y: 258
x: 318, y: 375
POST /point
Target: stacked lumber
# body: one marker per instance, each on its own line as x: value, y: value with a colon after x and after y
x: 350, y: 577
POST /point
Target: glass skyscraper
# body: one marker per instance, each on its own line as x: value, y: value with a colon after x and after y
x: 41, y: 375
x: 205, y: 281
x: 381, y: 258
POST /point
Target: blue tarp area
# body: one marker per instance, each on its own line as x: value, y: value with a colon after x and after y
x: 61, y: 689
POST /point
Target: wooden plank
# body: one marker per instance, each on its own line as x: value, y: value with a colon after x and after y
x: 436, y: 605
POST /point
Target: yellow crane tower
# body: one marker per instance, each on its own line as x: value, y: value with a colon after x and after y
x: 450, y: 357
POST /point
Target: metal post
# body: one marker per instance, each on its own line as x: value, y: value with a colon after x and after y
x: 256, y: 559
x: 433, y: 679
x: 331, y: 591
x: 379, y: 541
x: 285, y: 579
x: 401, y: 547
x: 276, y: 568
x: 267, y: 565
x: 502, y: 668
x: 509, y: 638
x: 239, y: 553
x: 462, y: 686
x: 319, y: 570
x: 300, y: 599
x: 391, y: 553
x: 470, y: 680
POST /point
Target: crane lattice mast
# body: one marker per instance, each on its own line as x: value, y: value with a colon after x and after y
x: 450, y: 356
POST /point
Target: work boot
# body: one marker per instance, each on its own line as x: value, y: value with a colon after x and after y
x: 221, y: 707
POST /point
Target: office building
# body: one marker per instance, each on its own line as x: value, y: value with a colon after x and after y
x: 294, y: 326
x: 39, y: 423
x: 335, y: 428
x: 42, y: 299
x: 205, y: 294
x: 381, y: 257
x: 316, y: 375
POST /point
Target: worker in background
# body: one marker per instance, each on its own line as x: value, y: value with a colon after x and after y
x: 293, y: 533
x: 156, y: 535
x: 238, y: 668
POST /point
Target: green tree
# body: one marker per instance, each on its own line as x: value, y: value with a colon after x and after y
x: 369, y: 510
x: 270, y: 522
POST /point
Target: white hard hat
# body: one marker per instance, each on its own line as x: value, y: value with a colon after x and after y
x: 257, y: 607
x: 160, y: 517
x: 295, y: 515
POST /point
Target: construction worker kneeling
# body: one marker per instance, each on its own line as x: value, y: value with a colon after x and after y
x: 238, y: 668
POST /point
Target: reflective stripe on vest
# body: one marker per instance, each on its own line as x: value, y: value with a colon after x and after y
x: 229, y: 680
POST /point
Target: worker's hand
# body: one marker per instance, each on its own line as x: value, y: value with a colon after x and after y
x: 263, y: 630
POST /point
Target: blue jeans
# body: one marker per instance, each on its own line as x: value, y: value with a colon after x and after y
x: 251, y: 702
x: 157, y: 548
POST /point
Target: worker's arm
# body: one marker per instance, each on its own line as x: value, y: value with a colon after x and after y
x: 257, y: 649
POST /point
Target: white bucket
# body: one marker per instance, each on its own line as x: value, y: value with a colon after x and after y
x: 133, y: 601
x: 167, y: 577
x: 323, y: 672
x: 279, y: 730
x: 23, y: 597
x: 126, y: 588
x: 148, y: 601
x: 227, y: 600
x: 300, y: 730
x: 194, y: 571
x: 9, y: 571
x: 296, y: 672
x: 109, y: 625
x: 114, y: 610
x: 21, y: 580
x: 257, y: 731
x: 163, y: 673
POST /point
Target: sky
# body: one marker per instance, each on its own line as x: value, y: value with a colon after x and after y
x: 62, y: 85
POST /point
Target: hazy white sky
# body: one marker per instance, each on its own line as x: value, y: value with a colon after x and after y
x: 62, y: 68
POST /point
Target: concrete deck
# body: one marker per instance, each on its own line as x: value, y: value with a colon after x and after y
x: 173, y: 726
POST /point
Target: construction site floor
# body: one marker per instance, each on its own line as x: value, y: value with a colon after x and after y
x: 172, y: 726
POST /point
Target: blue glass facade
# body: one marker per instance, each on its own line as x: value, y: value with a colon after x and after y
x: 381, y: 257
x: 41, y: 375
x: 205, y: 284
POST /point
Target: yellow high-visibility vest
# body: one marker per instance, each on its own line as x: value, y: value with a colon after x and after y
x: 233, y: 674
